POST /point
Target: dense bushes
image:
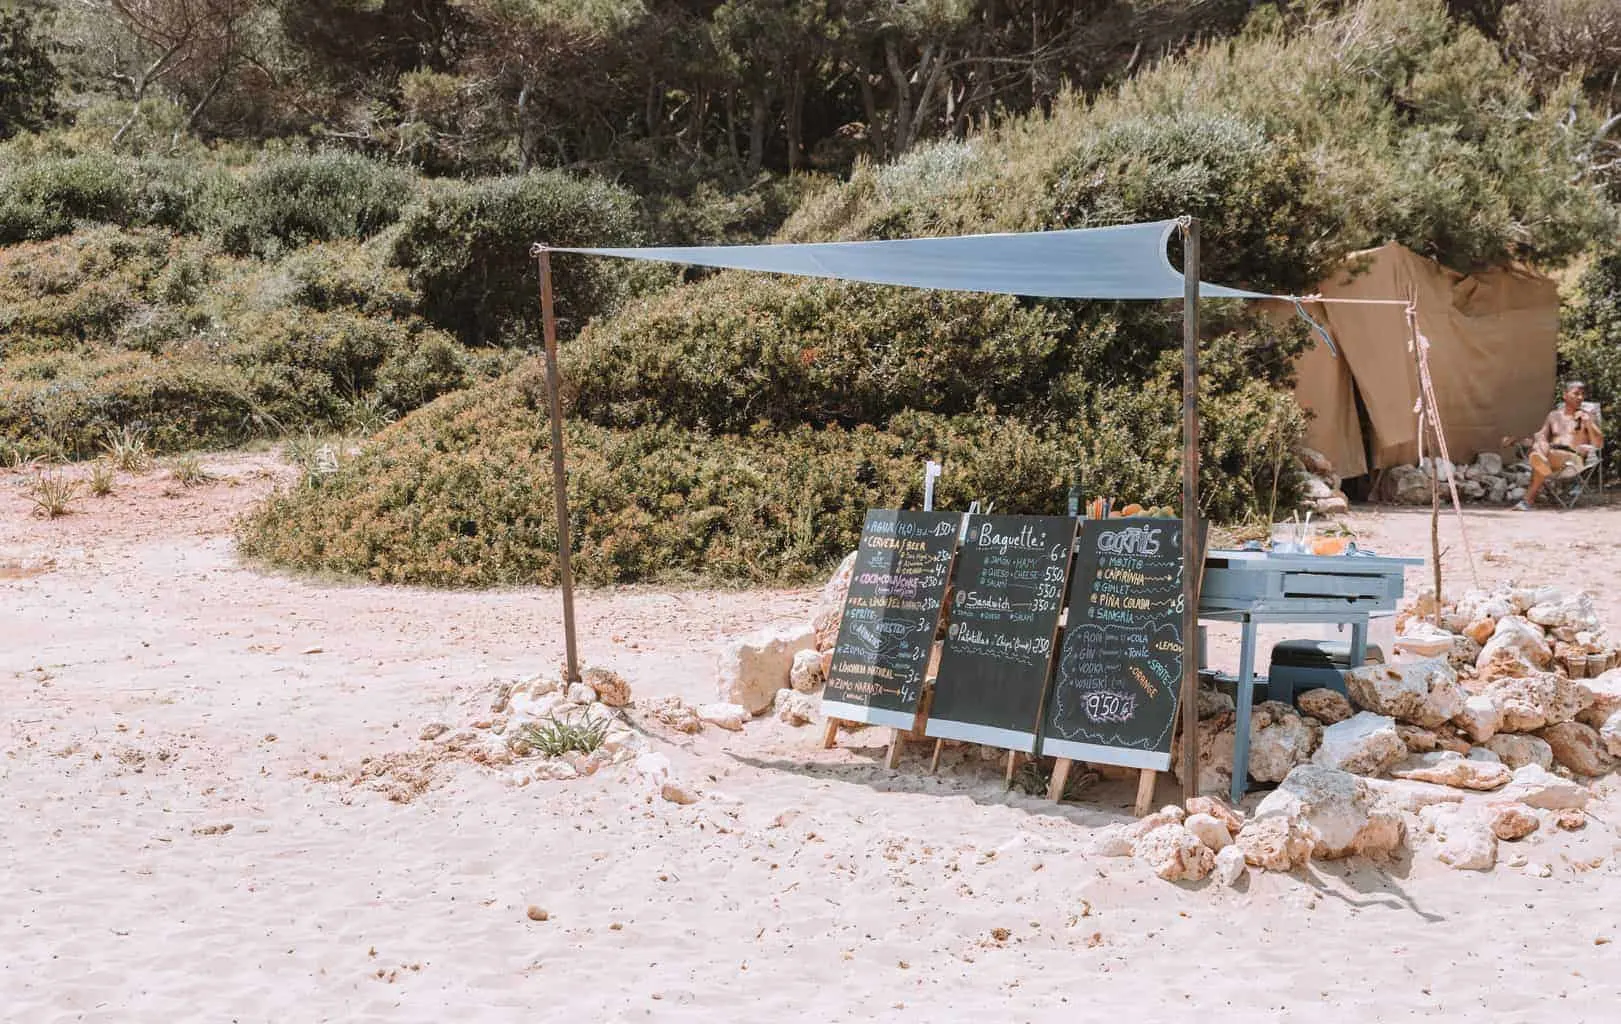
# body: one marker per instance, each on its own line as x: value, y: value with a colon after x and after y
x: 734, y: 350
x: 109, y: 328
x: 467, y: 249
x: 293, y: 201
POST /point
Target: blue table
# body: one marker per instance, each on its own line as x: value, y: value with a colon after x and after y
x: 1255, y: 587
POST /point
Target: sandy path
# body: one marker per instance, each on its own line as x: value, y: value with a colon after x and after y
x: 155, y: 692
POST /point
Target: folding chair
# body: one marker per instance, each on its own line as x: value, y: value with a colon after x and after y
x: 1569, y: 484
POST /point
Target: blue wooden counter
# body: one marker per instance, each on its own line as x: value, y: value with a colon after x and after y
x: 1256, y: 587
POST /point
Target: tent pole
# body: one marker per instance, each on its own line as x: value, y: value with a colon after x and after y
x: 565, y: 574
x: 1191, y: 555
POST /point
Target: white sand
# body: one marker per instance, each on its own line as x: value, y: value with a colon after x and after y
x: 154, y: 691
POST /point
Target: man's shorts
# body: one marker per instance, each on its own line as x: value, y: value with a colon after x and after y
x: 1554, y: 462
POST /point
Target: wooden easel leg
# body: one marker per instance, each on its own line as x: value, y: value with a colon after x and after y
x: 1012, y: 766
x: 892, y: 759
x: 934, y: 762
x: 1145, y: 792
x: 1055, y: 792
x: 831, y: 735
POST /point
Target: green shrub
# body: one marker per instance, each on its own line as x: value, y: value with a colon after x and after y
x: 459, y: 493
x: 1590, y: 341
x: 737, y: 348
x: 291, y: 201
x: 466, y: 247
x: 49, y: 197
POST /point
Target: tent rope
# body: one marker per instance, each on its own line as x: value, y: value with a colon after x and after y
x: 1419, y: 345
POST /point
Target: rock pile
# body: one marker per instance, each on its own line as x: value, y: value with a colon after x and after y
x: 1487, y: 479
x: 1486, y: 740
x: 1318, y: 483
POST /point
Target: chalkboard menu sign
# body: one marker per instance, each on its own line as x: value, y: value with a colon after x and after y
x: 891, y: 614
x: 993, y: 670
x: 1120, y: 666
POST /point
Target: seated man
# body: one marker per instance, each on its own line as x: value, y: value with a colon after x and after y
x: 1568, y: 436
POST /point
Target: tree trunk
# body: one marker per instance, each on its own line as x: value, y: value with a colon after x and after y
x: 796, y: 103
x: 525, y: 131
x: 902, y: 127
x: 759, y: 110
x: 869, y: 102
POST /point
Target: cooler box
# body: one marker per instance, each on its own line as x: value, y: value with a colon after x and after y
x: 1308, y: 664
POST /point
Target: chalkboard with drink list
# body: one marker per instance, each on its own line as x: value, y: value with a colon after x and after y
x: 1119, y: 671
x: 891, y: 615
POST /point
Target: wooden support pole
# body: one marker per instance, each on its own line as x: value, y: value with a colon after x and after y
x: 1191, y: 567
x: 565, y: 573
x: 1145, y: 792
x: 892, y: 758
x: 831, y: 735
x: 934, y: 762
x: 1061, y: 767
x: 1012, y: 767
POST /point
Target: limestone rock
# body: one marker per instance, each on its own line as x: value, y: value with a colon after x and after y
x: 1517, y: 750
x: 1577, y: 747
x: 1537, y: 787
x: 1230, y: 866
x: 1218, y: 809
x: 1480, y: 718
x: 1570, y: 819
x: 610, y: 687
x: 1400, y: 796
x: 579, y: 693
x: 1520, y: 636
x: 1490, y: 463
x: 1480, y: 631
x: 751, y: 669
x: 1408, y: 485
x: 1215, y: 753
x: 1483, y: 754
x: 1280, y: 739
x: 830, y: 606
x: 1445, y: 768
x: 1275, y: 844
x: 677, y: 714
x: 1159, y: 819
x: 796, y: 708
x: 1464, y: 840
x: 1606, y: 691
x: 1417, y: 741
x: 535, y: 698
x: 1213, y: 703
x: 1510, y: 820
x: 1574, y: 610
x: 1448, y: 738
x: 1339, y: 811
x: 1610, y: 733
x: 1325, y: 705
x: 1364, y: 744
x: 1536, y: 700
x: 805, y: 674
x: 1211, y: 831
x: 1424, y: 692
x: 1113, y: 841
x: 678, y: 792
x: 1463, y: 654
x: 1175, y: 854
x: 723, y: 716
x: 554, y: 770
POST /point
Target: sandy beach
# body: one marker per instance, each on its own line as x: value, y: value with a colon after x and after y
x: 192, y: 830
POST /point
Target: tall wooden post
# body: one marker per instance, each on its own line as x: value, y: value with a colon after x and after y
x: 565, y: 573
x: 1191, y: 553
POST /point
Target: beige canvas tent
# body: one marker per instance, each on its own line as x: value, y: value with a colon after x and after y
x: 1493, y: 337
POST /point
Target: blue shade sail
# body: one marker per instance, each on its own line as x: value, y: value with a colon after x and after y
x: 1123, y: 262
